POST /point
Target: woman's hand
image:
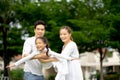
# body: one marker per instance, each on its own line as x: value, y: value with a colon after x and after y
x: 75, y: 59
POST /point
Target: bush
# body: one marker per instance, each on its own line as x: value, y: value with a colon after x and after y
x: 51, y: 77
x: 112, y: 76
x: 17, y: 74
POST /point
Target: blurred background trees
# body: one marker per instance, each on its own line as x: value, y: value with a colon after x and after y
x: 95, y: 23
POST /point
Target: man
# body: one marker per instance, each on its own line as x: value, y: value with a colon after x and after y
x: 33, y: 68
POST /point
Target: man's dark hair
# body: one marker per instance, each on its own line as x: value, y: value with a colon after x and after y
x: 39, y: 22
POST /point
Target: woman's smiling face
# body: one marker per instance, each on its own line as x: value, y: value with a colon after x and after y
x: 64, y: 35
x: 40, y: 45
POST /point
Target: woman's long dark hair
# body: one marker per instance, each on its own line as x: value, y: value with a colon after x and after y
x: 44, y: 39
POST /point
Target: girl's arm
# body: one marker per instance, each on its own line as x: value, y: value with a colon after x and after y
x: 11, y: 65
x: 42, y: 55
x: 22, y: 60
x: 50, y: 59
x: 34, y: 55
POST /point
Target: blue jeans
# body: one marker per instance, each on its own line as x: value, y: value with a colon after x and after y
x: 30, y: 76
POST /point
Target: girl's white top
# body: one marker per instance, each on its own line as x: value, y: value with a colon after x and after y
x: 32, y: 66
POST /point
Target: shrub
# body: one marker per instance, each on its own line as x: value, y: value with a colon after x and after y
x: 17, y: 74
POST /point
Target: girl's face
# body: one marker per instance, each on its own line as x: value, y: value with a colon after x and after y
x: 40, y: 45
x: 64, y: 35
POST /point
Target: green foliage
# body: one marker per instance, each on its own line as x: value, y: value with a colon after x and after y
x: 109, y: 54
x: 90, y: 36
x: 17, y: 74
x: 51, y: 77
x: 112, y: 76
x: 108, y: 76
x: 53, y: 38
x: 91, y: 22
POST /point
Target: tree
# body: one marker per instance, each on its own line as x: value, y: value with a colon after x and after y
x: 95, y: 23
x: 8, y: 48
x: 113, y: 20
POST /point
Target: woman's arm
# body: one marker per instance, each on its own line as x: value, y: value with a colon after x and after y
x: 57, y: 55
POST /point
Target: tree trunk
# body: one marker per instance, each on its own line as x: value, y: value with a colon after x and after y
x: 5, y: 57
x: 101, y: 64
x: 101, y: 69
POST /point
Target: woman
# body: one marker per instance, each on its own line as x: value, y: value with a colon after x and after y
x: 70, y: 50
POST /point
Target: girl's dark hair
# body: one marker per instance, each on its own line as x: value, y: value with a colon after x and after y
x: 68, y: 30
x: 44, y: 39
x: 39, y: 22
